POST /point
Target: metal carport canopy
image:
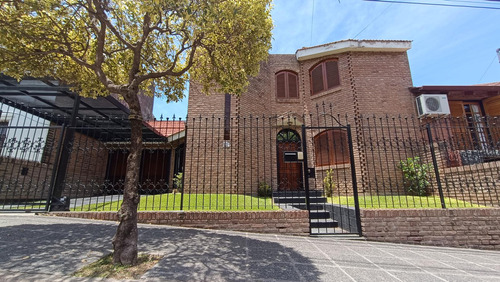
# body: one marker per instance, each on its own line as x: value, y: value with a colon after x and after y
x: 49, y: 100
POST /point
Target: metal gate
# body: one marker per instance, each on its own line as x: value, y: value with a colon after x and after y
x: 330, y: 180
x: 28, y: 162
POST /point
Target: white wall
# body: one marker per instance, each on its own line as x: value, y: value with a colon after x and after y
x: 23, y: 143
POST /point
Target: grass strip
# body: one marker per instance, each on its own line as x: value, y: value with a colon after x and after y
x: 191, y: 202
x: 401, y: 202
x: 104, y: 268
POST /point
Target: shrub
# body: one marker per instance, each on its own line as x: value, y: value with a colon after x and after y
x: 328, y: 183
x: 264, y: 190
x: 178, y: 181
x: 415, y: 176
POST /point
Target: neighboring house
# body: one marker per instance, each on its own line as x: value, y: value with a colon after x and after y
x: 53, y: 140
x: 473, y: 109
x: 162, y: 159
x: 22, y: 143
x: 468, y: 141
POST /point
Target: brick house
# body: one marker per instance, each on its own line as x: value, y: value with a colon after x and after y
x: 356, y: 77
x: 469, y: 105
x: 468, y: 141
x: 53, y: 140
x: 349, y: 80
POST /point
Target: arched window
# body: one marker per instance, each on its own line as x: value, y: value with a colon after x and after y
x: 324, y: 76
x: 287, y: 85
x: 288, y: 135
x: 331, y: 147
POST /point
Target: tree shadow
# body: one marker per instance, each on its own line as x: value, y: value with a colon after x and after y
x: 189, y: 254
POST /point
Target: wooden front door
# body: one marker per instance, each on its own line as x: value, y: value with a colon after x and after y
x: 289, y: 173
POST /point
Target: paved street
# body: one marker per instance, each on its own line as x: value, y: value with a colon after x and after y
x: 47, y: 248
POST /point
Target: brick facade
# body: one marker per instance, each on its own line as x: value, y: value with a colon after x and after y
x: 274, y: 222
x: 85, y: 172
x: 371, y: 82
x: 469, y: 228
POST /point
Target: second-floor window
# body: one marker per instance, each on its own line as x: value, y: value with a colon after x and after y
x: 287, y: 85
x: 324, y: 76
x: 331, y: 147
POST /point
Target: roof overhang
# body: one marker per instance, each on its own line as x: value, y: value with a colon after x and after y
x: 448, y: 88
x: 352, y: 45
x: 459, y: 92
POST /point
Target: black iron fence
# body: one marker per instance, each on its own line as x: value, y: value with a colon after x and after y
x: 251, y: 163
x: 433, y: 162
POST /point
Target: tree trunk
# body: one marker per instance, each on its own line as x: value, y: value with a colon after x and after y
x: 125, y: 239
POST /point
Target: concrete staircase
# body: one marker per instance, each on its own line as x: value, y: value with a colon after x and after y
x: 320, y: 219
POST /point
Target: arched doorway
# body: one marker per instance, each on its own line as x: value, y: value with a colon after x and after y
x: 289, y: 173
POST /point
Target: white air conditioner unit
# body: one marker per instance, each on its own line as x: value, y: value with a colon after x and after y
x: 432, y: 104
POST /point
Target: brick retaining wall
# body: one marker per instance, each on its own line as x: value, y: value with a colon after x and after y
x: 469, y: 228
x: 277, y: 222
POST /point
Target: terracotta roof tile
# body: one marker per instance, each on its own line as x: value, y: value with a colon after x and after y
x: 167, y: 127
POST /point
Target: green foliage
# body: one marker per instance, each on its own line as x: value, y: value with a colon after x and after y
x: 415, y: 176
x: 103, y: 47
x: 401, y: 202
x: 264, y: 190
x: 328, y: 183
x: 178, y: 181
x: 127, y: 47
x: 199, y: 202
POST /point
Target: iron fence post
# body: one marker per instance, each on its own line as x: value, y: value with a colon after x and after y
x: 184, y: 164
x: 354, y: 182
x: 435, y: 164
x: 55, y: 169
x: 63, y: 159
x: 306, y: 173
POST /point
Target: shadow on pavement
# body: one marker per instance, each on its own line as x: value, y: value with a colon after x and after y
x: 189, y: 254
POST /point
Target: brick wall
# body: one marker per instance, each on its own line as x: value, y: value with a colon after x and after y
x: 276, y: 222
x: 370, y: 83
x: 86, y: 167
x: 469, y: 228
x: 86, y: 170
x: 24, y: 180
x: 477, y: 183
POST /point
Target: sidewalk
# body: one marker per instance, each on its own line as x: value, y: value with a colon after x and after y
x: 47, y: 248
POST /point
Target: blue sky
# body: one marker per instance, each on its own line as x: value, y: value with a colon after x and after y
x: 451, y: 46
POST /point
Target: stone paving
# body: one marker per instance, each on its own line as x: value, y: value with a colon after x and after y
x: 48, y: 248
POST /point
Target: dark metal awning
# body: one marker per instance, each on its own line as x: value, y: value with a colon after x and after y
x: 105, y: 117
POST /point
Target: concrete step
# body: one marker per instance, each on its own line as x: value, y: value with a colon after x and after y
x: 324, y: 223
x: 287, y: 194
x: 313, y: 206
x: 289, y: 200
x: 319, y: 214
x: 298, y: 200
x: 336, y: 233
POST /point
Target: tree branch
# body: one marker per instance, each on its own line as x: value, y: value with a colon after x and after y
x: 136, y: 63
x: 101, y: 40
x: 170, y: 71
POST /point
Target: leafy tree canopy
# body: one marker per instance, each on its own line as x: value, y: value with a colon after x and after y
x: 104, y: 46
x: 124, y: 46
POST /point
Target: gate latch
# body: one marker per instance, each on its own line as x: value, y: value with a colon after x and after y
x: 311, y: 172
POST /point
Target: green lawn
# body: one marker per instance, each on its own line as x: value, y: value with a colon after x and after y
x: 208, y: 202
x: 401, y: 202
